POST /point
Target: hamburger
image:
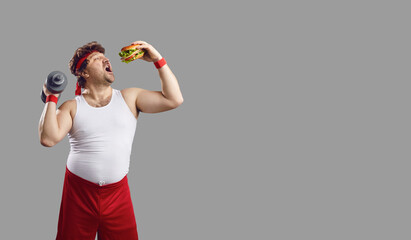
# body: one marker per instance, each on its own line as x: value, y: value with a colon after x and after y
x: 131, y: 53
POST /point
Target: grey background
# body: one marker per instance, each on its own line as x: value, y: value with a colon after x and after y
x: 295, y: 123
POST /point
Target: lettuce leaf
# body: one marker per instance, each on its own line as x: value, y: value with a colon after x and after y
x: 134, y: 57
x: 127, y: 52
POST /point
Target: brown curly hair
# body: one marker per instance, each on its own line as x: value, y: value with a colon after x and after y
x: 78, y: 54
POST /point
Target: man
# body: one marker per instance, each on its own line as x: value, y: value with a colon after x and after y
x: 100, y: 124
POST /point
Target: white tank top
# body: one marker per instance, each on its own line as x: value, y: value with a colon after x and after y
x: 101, y: 140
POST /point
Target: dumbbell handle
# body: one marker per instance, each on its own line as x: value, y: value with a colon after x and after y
x: 56, y: 82
x: 44, y: 97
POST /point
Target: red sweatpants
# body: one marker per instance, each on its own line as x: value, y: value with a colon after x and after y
x: 87, y: 208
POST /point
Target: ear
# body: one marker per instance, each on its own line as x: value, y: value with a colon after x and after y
x: 84, y: 74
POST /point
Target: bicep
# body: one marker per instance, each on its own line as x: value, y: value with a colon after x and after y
x: 64, y: 121
x: 153, y: 101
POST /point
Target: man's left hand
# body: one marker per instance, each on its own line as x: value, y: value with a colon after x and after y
x: 151, y: 54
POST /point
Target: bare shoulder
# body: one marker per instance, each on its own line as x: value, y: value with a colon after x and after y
x: 69, y: 106
x: 130, y: 97
x: 131, y: 92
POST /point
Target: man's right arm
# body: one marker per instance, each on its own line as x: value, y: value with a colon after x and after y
x: 55, y: 124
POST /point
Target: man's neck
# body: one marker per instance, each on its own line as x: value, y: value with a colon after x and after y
x: 98, y: 93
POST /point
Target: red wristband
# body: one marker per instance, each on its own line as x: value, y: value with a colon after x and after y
x: 52, y: 98
x: 160, y: 63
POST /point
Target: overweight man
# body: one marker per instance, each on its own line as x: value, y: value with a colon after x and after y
x: 100, y: 123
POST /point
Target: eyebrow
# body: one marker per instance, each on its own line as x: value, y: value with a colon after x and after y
x: 97, y: 55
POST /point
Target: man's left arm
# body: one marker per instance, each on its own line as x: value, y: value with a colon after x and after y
x: 170, y: 95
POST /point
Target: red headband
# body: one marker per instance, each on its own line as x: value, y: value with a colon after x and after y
x: 82, y: 60
x: 78, y: 65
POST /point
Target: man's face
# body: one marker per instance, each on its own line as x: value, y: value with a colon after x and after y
x: 99, y: 68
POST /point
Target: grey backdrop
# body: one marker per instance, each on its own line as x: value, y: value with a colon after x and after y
x: 295, y: 123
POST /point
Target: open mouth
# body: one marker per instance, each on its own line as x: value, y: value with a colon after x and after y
x: 108, y: 69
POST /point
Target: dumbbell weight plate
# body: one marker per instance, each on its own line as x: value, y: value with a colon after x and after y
x: 56, y: 82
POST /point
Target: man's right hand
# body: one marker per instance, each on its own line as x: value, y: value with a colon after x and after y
x: 47, y: 92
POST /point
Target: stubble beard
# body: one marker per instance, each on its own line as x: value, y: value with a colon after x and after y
x: 109, y: 79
